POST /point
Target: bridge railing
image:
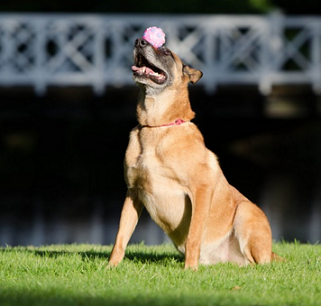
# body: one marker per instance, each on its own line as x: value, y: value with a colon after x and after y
x: 42, y: 50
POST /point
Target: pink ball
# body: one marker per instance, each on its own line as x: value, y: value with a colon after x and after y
x: 155, y: 36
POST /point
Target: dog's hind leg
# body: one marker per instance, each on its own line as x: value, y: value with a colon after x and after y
x: 253, y: 232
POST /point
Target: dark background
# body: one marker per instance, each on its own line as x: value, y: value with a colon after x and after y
x: 61, y: 155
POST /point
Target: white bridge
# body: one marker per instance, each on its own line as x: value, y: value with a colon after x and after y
x: 42, y: 50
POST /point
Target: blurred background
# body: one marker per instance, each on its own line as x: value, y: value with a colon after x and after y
x: 67, y: 104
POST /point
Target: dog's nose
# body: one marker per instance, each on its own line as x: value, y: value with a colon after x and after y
x: 141, y: 42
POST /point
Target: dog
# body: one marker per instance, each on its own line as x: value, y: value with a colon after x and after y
x: 170, y: 172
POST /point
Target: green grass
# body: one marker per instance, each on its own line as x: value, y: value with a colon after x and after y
x: 77, y: 275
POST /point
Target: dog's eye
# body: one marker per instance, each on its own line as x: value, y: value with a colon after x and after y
x: 167, y: 52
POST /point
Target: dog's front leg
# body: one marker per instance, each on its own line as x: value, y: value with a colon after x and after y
x: 129, y: 217
x: 200, y: 209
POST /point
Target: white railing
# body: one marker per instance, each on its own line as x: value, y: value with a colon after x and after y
x: 96, y: 50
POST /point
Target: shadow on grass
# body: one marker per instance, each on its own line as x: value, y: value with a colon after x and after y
x: 143, y: 257
x: 152, y: 257
x: 146, y: 256
x: 50, y: 298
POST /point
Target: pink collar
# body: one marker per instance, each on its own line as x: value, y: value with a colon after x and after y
x: 176, y: 122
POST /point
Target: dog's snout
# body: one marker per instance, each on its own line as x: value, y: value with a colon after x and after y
x: 141, y: 42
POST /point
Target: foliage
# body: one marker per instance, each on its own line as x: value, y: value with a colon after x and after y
x: 143, y: 6
x: 77, y: 275
x: 308, y: 7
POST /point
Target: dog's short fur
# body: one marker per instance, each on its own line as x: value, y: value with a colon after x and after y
x: 171, y: 173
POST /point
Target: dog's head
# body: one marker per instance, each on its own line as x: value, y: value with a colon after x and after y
x: 158, y: 69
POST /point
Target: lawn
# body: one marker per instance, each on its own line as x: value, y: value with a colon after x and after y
x: 153, y: 275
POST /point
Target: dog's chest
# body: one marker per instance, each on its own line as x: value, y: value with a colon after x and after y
x: 158, y: 185
x: 147, y: 166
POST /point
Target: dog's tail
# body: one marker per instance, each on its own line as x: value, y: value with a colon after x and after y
x: 276, y: 257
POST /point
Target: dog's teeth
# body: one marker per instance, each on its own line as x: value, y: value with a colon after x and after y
x: 144, y: 69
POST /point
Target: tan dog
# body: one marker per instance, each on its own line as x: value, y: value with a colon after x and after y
x: 169, y: 171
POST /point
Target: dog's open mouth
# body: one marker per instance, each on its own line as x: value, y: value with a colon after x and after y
x: 144, y: 68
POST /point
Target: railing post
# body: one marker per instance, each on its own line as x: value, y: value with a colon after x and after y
x: 99, y: 58
x: 272, y: 47
x: 316, y: 57
x: 40, y: 75
x: 211, y: 69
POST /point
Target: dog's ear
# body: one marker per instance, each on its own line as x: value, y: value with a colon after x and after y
x: 193, y: 74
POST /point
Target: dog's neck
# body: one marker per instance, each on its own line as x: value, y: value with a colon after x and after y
x: 164, y: 107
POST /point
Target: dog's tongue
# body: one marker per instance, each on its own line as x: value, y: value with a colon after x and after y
x: 142, y: 70
x: 160, y: 77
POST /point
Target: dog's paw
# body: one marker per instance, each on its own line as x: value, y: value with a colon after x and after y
x: 112, y: 265
x: 191, y: 268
